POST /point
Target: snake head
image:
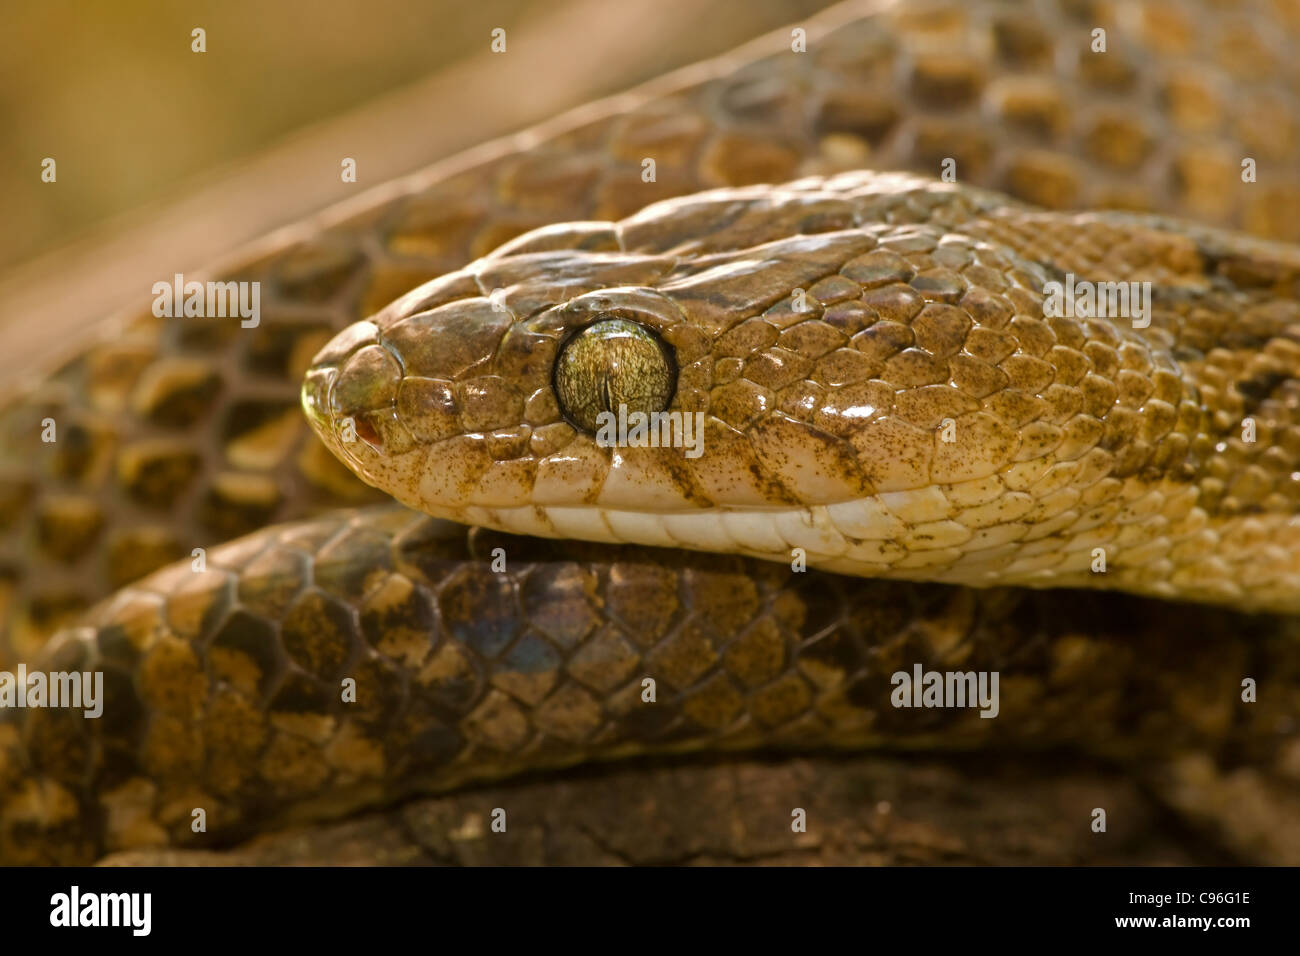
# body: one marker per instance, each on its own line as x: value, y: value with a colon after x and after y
x: 787, y: 351
x: 695, y: 359
x: 861, y: 367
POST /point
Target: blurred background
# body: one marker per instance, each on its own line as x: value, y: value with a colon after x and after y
x: 168, y: 159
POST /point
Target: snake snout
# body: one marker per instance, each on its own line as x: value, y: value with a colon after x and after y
x: 349, y: 395
x: 416, y: 395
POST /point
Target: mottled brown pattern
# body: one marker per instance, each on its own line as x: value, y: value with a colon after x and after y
x: 181, y: 433
x: 226, y: 689
x: 1013, y: 93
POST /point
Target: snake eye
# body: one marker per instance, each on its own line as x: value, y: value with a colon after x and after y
x: 609, y: 363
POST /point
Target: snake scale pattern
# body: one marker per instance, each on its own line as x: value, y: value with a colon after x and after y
x: 222, y: 684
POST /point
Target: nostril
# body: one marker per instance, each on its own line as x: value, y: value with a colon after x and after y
x: 362, y: 405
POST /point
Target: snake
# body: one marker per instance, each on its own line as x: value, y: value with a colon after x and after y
x: 830, y: 255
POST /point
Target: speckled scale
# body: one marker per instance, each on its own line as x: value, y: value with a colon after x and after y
x: 887, y: 90
x: 874, y: 89
x: 247, y: 715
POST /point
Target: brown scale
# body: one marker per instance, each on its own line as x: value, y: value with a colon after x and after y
x: 887, y: 90
x: 223, y: 689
